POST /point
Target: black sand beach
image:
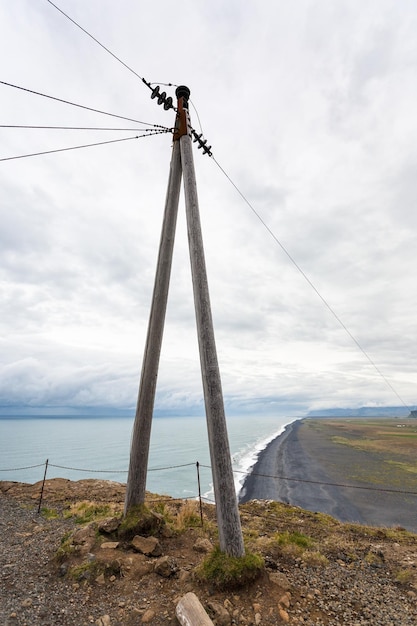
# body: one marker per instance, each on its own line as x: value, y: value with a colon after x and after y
x: 299, y: 455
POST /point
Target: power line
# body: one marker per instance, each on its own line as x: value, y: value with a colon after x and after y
x: 96, y: 40
x: 81, y: 106
x: 309, y: 281
x: 130, y: 69
x: 28, y: 126
x: 89, y: 145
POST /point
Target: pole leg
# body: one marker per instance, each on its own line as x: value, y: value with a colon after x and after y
x: 136, y: 482
x: 230, y: 531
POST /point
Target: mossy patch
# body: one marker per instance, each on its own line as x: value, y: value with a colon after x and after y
x: 140, y: 520
x: 227, y: 572
x: 65, y: 549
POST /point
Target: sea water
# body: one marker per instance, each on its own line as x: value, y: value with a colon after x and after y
x: 99, y: 447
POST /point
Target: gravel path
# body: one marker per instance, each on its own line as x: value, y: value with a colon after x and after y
x: 31, y: 593
x: 357, y: 596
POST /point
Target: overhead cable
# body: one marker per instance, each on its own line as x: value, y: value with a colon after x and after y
x: 130, y: 69
x: 81, y: 106
x: 310, y: 282
x: 28, y: 126
x: 89, y: 145
x: 94, y: 39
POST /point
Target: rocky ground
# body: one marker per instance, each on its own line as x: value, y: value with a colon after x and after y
x: 68, y: 566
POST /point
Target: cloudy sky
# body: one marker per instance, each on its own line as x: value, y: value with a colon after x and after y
x: 310, y: 108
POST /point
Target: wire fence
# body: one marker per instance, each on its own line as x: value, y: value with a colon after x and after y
x: 198, y: 465
x: 198, y: 496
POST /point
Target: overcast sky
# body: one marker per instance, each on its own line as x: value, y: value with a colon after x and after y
x: 310, y: 108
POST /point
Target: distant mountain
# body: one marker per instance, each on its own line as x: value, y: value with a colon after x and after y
x: 364, y: 411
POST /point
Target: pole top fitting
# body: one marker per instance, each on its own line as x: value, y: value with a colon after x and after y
x: 182, y: 92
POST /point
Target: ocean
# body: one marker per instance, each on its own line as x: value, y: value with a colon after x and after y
x: 99, y: 447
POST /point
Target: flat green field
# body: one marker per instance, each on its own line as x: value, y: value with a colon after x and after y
x: 379, y: 451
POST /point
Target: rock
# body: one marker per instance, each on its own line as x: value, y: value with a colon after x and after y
x: 145, y: 524
x: 27, y: 603
x: 165, y: 566
x: 104, y: 620
x: 220, y: 615
x: 184, y: 575
x: 63, y: 569
x: 110, y: 545
x: 146, y: 545
x: 280, y: 579
x: 285, y: 600
x: 84, y: 539
x: 100, y: 580
x: 203, y: 545
x: 283, y: 615
x: 258, y: 619
x: 148, y: 616
x: 109, y: 525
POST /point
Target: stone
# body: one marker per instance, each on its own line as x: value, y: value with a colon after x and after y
x: 109, y: 545
x: 165, y: 567
x: 148, y: 524
x: 148, y: 616
x: 283, y: 615
x: 285, y: 600
x: 203, y: 545
x: 109, y: 525
x: 280, y: 579
x: 184, y: 576
x: 258, y: 619
x: 27, y: 602
x: 147, y: 545
x: 219, y: 614
x: 104, y: 620
x: 84, y: 539
x: 100, y: 580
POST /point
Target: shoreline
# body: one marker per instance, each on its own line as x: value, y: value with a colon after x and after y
x: 296, y: 468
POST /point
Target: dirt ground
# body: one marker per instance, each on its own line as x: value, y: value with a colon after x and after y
x: 317, y: 570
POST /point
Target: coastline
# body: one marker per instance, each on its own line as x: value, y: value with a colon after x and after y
x: 295, y: 467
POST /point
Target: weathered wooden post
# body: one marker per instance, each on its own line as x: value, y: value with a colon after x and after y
x: 139, y: 453
x: 230, y: 532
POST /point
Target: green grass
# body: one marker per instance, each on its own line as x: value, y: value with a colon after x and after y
x: 49, y: 513
x: 227, y: 572
x: 295, y: 538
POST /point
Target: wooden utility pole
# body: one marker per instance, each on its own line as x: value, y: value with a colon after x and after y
x: 230, y: 532
x: 138, y: 465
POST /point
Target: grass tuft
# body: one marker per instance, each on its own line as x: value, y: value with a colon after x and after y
x: 86, y: 512
x: 227, y: 572
x: 49, y: 513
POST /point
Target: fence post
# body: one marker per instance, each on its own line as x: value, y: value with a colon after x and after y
x: 43, y: 485
x: 199, y: 492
